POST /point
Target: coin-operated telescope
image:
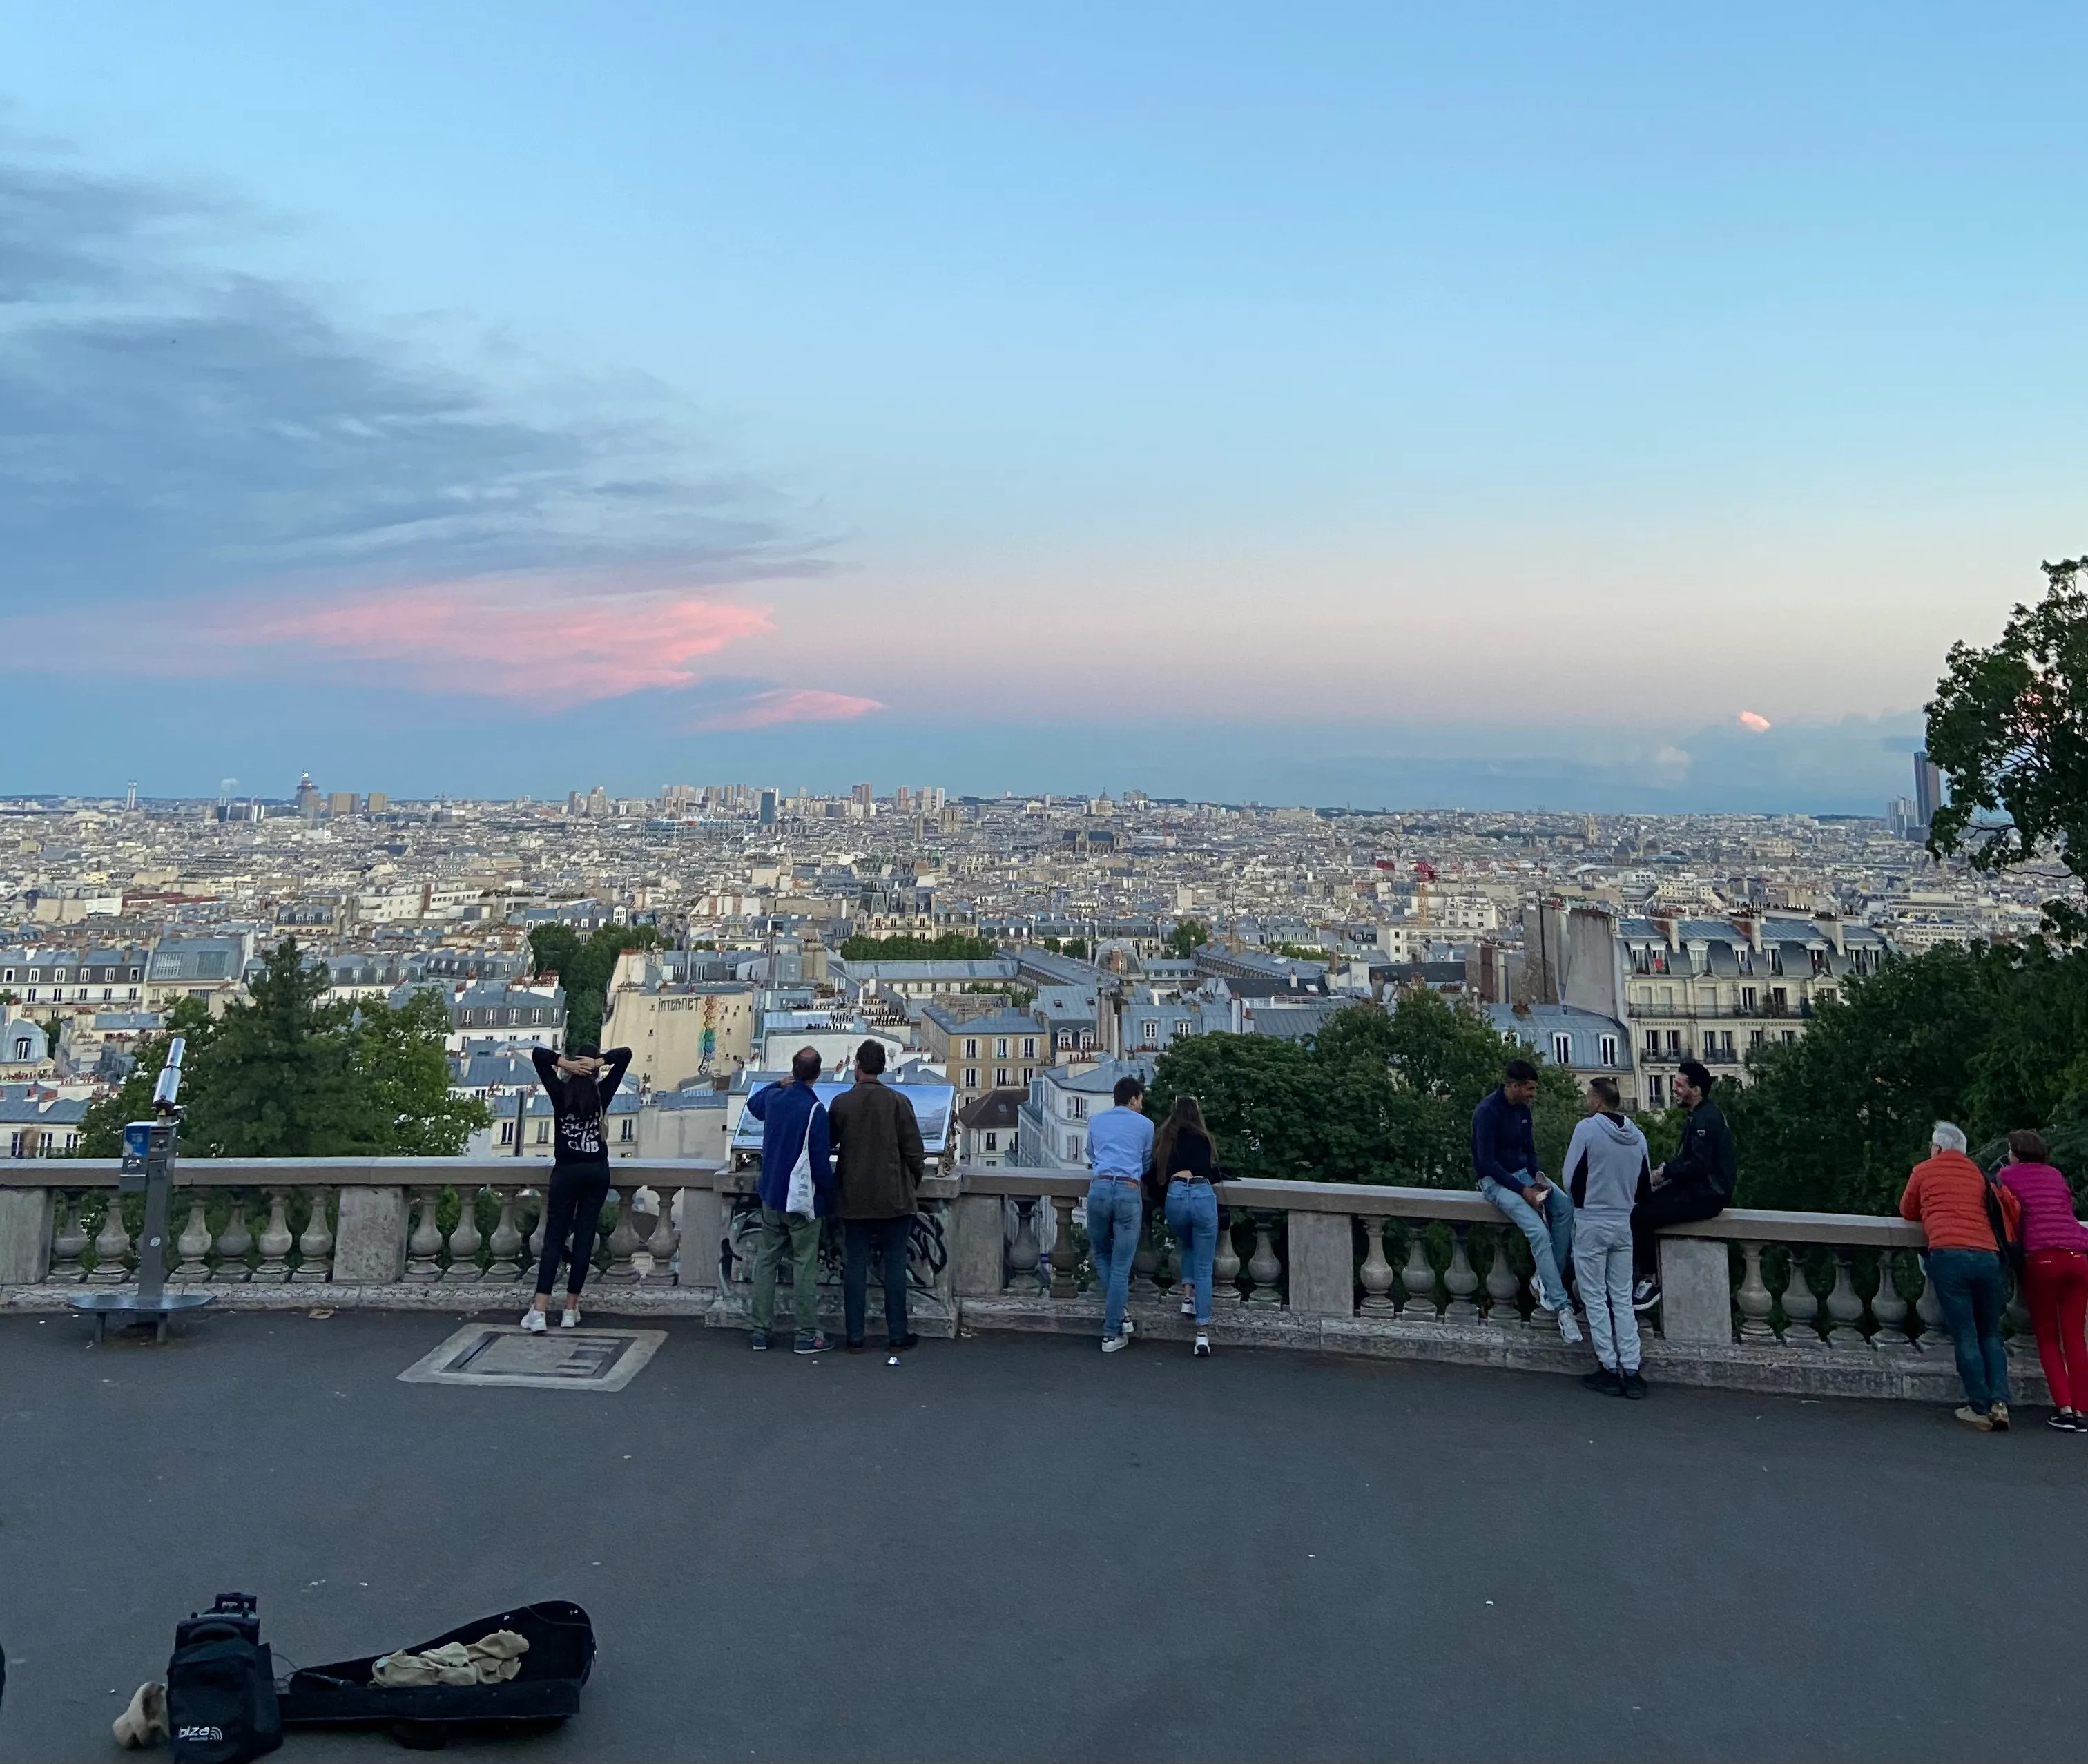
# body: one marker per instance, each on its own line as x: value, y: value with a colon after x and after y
x: 149, y: 1149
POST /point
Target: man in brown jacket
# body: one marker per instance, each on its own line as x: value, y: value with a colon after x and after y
x: 879, y: 1158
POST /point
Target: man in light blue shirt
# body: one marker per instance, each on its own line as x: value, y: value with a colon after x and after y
x: 1119, y: 1152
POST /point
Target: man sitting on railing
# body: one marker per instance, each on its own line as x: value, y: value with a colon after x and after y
x: 1697, y: 1183
x: 1504, y: 1156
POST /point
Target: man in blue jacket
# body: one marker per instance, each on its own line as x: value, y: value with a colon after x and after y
x: 793, y: 1125
x: 1504, y: 1158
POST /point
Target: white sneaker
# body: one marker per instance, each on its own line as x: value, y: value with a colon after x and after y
x: 1536, y: 1292
x: 1188, y: 1308
x: 1112, y: 1343
x: 1130, y: 1329
x: 569, y: 1317
x: 1569, y: 1331
x: 1202, y: 1350
x: 533, y: 1321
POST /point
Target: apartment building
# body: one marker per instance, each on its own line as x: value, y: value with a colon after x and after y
x: 995, y: 1050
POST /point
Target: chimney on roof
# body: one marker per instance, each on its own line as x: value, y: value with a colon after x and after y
x: 1671, y: 928
x: 1748, y: 924
x: 1831, y: 923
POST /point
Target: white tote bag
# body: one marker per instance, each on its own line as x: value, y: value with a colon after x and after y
x: 800, y: 1198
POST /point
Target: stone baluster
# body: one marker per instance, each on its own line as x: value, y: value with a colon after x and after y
x: 1145, y: 1260
x: 1263, y: 1267
x: 276, y: 1239
x: 1418, y: 1277
x: 194, y: 1244
x: 112, y: 1245
x: 1065, y: 1254
x: 1845, y: 1310
x: 234, y: 1242
x: 68, y: 1244
x: 1375, y: 1275
x: 1461, y: 1280
x: 1501, y: 1284
x: 536, y: 1231
x: 1755, y: 1300
x: 464, y: 1239
x: 623, y: 1246
x: 2021, y: 1338
x: 1888, y: 1310
x: 1022, y: 1254
x: 660, y: 1242
x: 1224, y: 1265
x: 315, y: 1242
x: 1799, y: 1305
x: 1930, y: 1335
x: 424, y: 1243
x: 505, y: 1242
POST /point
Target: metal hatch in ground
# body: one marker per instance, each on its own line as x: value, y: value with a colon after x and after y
x: 501, y: 1355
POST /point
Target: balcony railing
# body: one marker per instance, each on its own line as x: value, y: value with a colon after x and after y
x: 1827, y: 1303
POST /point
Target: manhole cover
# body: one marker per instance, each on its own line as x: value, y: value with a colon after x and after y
x: 559, y: 1359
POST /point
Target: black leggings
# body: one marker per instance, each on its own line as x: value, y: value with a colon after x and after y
x: 572, y: 1208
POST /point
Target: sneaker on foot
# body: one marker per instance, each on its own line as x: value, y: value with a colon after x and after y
x: 1202, y: 1350
x: 1188, y: 1308
x: 569, y: 1317
x: 1603, y: 1382
x: 1645, y: 1295
x: 1112, y: 1343
x: 2065, y: 1421
x: 1973, y: 1418
x: 1130, y: 1327
x: 1536, y: 1292
x: 1634, y: 1386
x: 816, y: 1343
x: 758, y: 1340
x: 1999, y: 1415
x: 533, y: 1321
x: 1569, y: 1331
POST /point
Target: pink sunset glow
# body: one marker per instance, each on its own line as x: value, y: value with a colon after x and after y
x: 504, y: 638
x: 1754, y: 720
x: 800, y: 704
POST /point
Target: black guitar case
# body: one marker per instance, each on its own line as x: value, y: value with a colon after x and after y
x: 542, y: 1693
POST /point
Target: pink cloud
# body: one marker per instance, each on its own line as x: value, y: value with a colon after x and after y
x: 799, y: 704
x: 1754, y: 720
x: 551, y: 641
x: 505, y: 639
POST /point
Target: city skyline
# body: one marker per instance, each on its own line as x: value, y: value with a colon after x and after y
x: 1620, y: 414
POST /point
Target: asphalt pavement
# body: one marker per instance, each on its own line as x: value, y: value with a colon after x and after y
x: 1015, y: 1548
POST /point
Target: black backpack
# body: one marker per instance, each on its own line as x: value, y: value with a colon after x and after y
x: 221, y: 1686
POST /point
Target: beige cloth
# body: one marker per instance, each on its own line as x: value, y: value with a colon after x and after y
x: 486, y: 1661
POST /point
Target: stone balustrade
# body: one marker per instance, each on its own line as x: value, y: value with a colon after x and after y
x: 1819, y: 1303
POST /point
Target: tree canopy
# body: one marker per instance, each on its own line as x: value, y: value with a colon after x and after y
x: 945, y: 946
x: 1187, y: 938
x: 292, y: 1076
x: 1376, y: 1096
x: 584, y: 968
x: 2009, y: 729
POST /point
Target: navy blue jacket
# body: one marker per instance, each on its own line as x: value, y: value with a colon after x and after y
x: 1504, y: 1142
x: 782, y: 1109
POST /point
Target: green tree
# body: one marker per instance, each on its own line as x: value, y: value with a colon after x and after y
x: 945, y: 946
x: 1187, y: 938
x: 585, y: 970
x: 292, y: 1076
x: 2009, y: 728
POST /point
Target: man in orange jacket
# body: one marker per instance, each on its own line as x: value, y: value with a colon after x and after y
x: 1947, y: 1195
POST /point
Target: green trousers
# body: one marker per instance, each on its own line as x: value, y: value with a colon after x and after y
x: 802, y: 1235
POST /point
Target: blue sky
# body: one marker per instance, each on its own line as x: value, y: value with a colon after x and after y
x: 1337, y: 405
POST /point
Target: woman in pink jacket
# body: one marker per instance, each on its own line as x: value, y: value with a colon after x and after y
x: 2056, y: 1275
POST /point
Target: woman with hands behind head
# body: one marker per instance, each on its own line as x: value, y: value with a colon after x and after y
x: 579, y: 1083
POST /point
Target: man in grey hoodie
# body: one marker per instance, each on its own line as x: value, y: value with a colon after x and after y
x: 1608, y: 1173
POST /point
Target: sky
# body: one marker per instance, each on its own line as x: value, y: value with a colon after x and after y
x: 1581, y: 407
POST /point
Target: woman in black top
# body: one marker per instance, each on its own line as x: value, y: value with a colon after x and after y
x: 579, y: 1083
x: 1185, y: 1162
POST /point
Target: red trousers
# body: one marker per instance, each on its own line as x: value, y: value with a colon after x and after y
x: 2057, y: 1292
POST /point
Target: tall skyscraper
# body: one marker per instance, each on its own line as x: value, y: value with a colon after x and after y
x: 861, y: 794
x: 1928, y: 789
x: 768, y: 808
x: 131, y: 796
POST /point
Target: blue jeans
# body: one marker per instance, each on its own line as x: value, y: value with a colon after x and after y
x: 1968, y: 1292
x: 1551, y: 1233
x: 1115, y: 1213
x: 887, y: 1239
x: 1192, y: 1216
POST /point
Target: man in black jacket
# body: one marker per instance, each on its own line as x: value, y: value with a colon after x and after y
x: 1697, y: 1183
